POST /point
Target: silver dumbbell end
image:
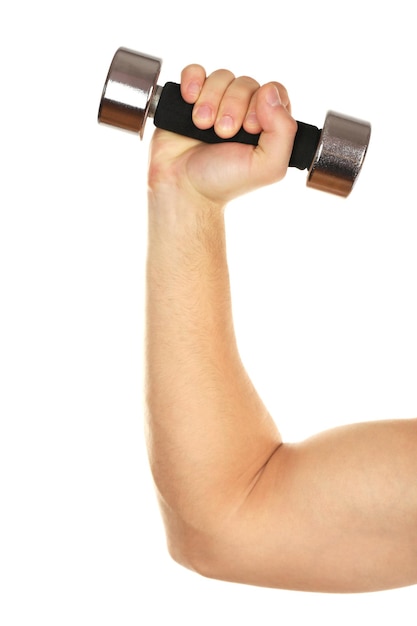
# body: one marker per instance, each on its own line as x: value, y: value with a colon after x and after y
x: 339, y: 155
x: 130, y: 90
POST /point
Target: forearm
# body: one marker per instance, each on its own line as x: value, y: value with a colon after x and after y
x: 209, y: 433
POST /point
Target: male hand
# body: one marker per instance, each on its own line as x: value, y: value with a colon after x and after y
x: 220, y: 172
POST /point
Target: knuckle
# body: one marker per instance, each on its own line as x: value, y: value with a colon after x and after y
x: 249, y: 82
x: 223, y: 74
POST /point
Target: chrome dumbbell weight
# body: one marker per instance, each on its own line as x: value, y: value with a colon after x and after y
x: 333, y: 155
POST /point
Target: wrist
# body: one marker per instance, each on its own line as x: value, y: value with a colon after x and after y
x: 173, y: 209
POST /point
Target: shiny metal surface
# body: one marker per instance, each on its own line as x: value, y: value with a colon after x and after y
x: 340, y: 154
x: 128, y: 95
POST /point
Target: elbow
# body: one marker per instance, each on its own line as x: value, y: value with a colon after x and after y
x: 191, y: 551
x: 184, y: 556
x: 198, y: 561
x: 197, y: 550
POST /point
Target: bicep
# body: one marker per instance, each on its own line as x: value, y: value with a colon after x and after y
x: 336, y: 513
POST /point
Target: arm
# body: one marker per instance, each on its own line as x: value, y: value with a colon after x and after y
x: 335, y: 513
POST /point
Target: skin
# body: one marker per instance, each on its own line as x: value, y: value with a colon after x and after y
x: 334, y: 513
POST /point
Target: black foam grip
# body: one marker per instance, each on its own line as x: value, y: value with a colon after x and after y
x: 174, y: 114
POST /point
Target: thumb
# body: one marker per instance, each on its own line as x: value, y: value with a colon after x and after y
x: 273, y: 152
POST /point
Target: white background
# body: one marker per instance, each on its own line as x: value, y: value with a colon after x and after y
x: 324, y: 293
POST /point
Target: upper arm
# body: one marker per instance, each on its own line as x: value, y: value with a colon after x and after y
x: 336, y: 513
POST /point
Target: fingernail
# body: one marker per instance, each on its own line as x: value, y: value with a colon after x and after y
x: 252, y: 119
x: 272, y: 96
x: 203, y: 112
x: 193, y: 89
x: 226, y: 122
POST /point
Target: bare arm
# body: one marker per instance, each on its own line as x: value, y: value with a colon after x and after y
x: 335, y: 513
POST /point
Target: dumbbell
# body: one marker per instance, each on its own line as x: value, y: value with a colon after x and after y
x: 332, y: 155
